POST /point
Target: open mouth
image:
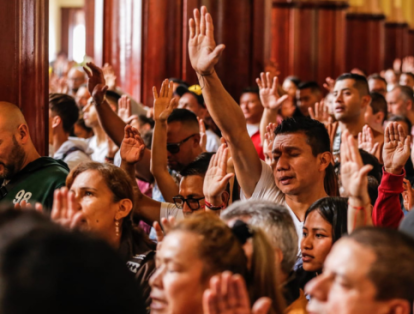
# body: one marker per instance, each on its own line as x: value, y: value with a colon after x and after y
x: 286, y: 180
x: 306, y: 258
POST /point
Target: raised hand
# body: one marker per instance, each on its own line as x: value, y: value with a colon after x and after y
x: 164, y: 104
x: 396, y: 65
x: 408, y: 64
x: 269, y: 95
x: 228, y: 294
x: 132, y: 147
x: 217, y: 178
x: 366, y: 141
x: 354, y: 175
x: 203, y: 134
x: 167, y: 225
x: 408, y: 195
x: 124, y: 108
x: 269, y: 138
x: 321, y: 113
x: 65, y: 210
x: 329, y: 84
x: 23, y: 205
x: 110, y: 77
x: 396, y: 150
x: 202, y: 48
x: 96, y: 83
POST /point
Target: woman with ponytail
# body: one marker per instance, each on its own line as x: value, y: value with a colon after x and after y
x: 200, y: 247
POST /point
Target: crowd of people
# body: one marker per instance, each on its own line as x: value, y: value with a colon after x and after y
x: 295, y: 200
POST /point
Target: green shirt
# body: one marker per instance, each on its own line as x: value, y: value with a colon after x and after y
x: 36, y: 183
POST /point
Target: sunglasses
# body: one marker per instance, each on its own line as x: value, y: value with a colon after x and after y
x: 193, y: 203
x: 174, y: 148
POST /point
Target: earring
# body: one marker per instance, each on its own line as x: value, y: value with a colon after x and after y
x: 117, y: 228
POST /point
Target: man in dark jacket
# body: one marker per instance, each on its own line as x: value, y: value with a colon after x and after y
x: 24, y: 175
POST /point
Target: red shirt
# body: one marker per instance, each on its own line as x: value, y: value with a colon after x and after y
x: 257, y: 142
x: 387, y: 211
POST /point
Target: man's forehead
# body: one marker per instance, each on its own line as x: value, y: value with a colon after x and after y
x: 346, y: 83
x: 291, y: 140
x: 350, y: 259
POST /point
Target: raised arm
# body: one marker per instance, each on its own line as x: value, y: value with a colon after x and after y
x: 354, y: 177
x: 271, y: 101
x: 132, y: 149
x: 396, y: 151
x: 204, y: 54
x: 109, y: 120
x: 163, y: 106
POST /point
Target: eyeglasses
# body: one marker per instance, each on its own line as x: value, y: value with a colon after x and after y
x: 174, y: 148
x: 193, y: 203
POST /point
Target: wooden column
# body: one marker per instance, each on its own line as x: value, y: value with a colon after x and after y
x: 410, y: 42
x: 90, y: 27
x: 395, y: 36
x: 365, y: 42
x: 308, y: 38
x: 24, y: 63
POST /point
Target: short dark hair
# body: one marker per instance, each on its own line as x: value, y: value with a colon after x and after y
x: 379, y: 104
x: 361, y: 83
x: 400, y: 118
x: 145, y: 120
x: 392, y: 273
x: 178, y: 81
x: 37, y: 276
x: 295, y: 80
x: 369, y: 159
x: 373, y: 185
x: 318, y: 139
x: 406, y: 92
x: 409, y: 74
x: 198, y: 167
x: 334, y: 210
x: 184, y: 116
x: 251, y: 89
x: 376, y: 76
x: 314, y: 87
x: 65, y: 107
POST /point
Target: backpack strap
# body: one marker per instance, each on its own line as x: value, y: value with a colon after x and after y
x: 70, y: 151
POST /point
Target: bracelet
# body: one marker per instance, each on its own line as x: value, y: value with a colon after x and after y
x: 212, y: 207
x: 359, y: 208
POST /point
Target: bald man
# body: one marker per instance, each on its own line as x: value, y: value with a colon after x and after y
x: 24, y: 174
x: 76, y: 78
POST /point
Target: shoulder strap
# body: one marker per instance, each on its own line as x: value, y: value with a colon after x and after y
x: 70, y: 151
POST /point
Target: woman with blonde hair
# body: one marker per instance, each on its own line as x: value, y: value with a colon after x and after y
x: 202, y: 246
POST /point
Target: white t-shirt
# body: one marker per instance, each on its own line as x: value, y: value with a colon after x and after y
x: 167, y: 210
x: 213, y: 141
x: 266, y: 189
x: 99, y: 152
x: 74, y: 157
x: 252, y: 129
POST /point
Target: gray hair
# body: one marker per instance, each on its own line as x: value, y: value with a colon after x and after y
x: 275, y: 220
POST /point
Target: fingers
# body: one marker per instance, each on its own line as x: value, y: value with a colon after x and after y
x: 241, y: 294
x: 311, y: 113
x: 259, y: 83
x: 158, y: 231
x: 201, y: 125
x: 192, y: 28
x: 154, y: 93
x: 88, y: 73
x: 72, y: 208
x: 209, y: 26
x: 203, y: 21
x: 365, y: 170
x: 209, y: 302
x: 197, y: 22
x: 39, y: 207
x: 57, y: 204
x: 218, y: 50
x: 262, y: 306
x: 77, y: 220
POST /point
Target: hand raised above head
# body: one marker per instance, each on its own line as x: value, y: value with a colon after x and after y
x: 366, y: 141
x: 269, y: 94
x: 396, y: 150
x: 164, y: 103
x: 202, y: 48
x: 65, y: 211
x: 96, y: 82
x: 132, y: 147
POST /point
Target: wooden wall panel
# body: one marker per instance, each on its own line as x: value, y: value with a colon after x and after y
x: 89, y: 9
x: 308, y: 38
x: 365, y: 42
x: 24, y: 63
x: 394, y: 42
x: 410, y: 42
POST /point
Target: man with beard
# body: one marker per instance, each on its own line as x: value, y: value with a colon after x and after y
x: 24, y: 175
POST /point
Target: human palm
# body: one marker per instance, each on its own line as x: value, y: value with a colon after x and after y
x: 164, y: 104
x: 396, y: 150
x: 132, y: 148
x: 202, y: 48
x: 96, y: 82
